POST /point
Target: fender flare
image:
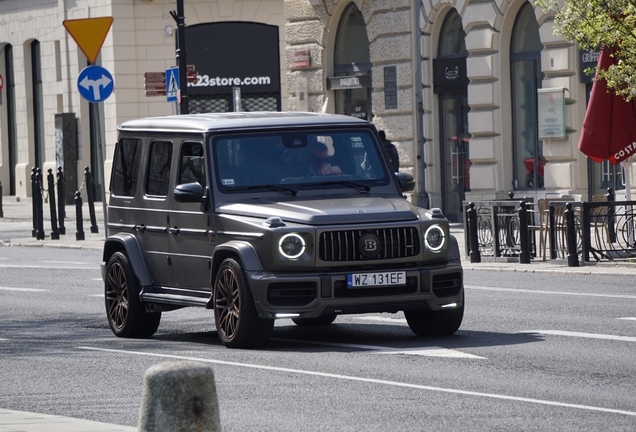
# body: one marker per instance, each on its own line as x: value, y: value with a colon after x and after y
x: 128, y: 244
x: 245, y: 251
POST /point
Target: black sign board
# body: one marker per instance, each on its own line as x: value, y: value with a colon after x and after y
x: 587, y: 59
x: 348, y: 82
x: 233, y: 54
x: 449, y: 75
x: 390, y: 87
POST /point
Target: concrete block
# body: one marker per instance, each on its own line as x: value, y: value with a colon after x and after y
x: 179, y: 396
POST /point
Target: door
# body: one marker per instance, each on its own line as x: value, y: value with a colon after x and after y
x: 455, y: 156
x: 189, y: 224
x: 354, y: 103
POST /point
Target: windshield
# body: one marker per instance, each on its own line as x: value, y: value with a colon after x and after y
x: 298, y: 160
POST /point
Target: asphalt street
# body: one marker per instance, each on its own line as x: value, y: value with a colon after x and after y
x: 535, y: 352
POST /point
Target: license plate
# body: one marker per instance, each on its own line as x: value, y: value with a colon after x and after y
x: 358, y: 280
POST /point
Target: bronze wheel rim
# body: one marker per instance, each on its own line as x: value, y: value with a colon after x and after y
x: 117, y: 296
x: 227, y: 304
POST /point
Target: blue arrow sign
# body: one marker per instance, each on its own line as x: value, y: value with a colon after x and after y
x: 172, y: 84
x: 95, y: 83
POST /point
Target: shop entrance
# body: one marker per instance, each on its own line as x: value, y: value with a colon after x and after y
x: 354, y: 103
x: 455, y: 155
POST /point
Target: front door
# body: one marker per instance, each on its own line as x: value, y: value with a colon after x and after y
x: 354, y: 102
x: 455, y: 160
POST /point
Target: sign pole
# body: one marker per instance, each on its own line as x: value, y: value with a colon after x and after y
x: 100, y: 159
x: 181, y: 57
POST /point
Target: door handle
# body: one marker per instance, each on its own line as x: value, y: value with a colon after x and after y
x: 174, y: 230
x: 140, y: 228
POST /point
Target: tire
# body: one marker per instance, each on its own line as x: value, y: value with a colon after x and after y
x: 315, y: 322
x: 126, y: 313
x: 435, y: 323
x: 235, y: 316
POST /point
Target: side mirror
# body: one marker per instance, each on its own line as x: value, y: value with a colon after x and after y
x: 189, y: 193
x: 407, y: 182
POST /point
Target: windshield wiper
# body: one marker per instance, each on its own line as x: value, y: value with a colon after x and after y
x: 273, y: 187
x: 342, y: 182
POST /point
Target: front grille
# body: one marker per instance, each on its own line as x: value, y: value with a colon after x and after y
x: 341, y: 290
x: 291, y: 293
x: 447, y: 285
x: 394, y: 243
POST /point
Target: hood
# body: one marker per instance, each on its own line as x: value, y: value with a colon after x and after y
x: 327, y: 211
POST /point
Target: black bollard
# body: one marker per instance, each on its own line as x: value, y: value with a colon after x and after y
x: 524, y: 254
x: 33, y: 208
x: 39, y: 233
x: 1, y: 212
x: 61, y: 200
x: 611, y: 228
x: 475, y: 255
x: 79, y: 235
x: 570, y: 231
x: 88, y: 179
x: 55, y: 235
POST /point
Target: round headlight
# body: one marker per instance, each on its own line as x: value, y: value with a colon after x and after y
x: 434, y: 238
x: 291, y: 245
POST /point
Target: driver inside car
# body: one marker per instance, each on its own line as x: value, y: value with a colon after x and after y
x: 319, y: 162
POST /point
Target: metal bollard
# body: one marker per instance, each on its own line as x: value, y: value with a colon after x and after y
x: 33, y: 205
x: 55, y: 235
x: 611, y: 227
x: 79, y: 235
x: 91, y: 199
x: 61, y: 200
x: 570, y: 231
x: 475, y: 255
x: 524, y: 254
x: 1, y: 212
x: 179, y: 396
x: 39, y: 233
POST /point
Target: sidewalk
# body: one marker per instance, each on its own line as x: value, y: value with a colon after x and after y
x: 19, y: 421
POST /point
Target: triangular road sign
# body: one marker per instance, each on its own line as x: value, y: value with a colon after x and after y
x: 89, y: 33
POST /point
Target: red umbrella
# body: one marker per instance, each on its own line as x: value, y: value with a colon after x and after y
x: 609, y: 128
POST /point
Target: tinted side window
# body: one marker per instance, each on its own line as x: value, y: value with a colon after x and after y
x: 158, y: 180
x: 192, y: 164
x: 126, y: 167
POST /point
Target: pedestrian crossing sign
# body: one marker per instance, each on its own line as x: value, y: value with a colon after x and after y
x: 172, y: 84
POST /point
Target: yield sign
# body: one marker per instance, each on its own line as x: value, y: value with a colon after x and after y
x: 89, y: 33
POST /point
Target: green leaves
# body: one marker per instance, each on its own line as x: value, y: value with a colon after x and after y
x: 593, y: 23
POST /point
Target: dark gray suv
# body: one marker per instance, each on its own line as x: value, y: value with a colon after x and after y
x: 260, y: 216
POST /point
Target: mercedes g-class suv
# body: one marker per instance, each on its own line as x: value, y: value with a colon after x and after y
x: 261, y: 216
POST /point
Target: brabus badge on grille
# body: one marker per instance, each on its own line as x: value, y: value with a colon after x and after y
x: 369, y: 245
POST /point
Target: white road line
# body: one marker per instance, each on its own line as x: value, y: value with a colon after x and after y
x: 582, y: 335
x: 433, y: 351
x: 531, y: 291
x: 37, y: 266
x: 373, y: 381
x: 22, y: 289
x: 400, y: 321
x: 97, y: 279
x: 4, y: 340
x: 67, y: 262
x: 97, y: 295
x: 628, y: 318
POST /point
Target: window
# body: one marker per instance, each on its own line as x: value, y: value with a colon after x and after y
x: 192, y: 164
x: 158, y: 180
x: 126, y: 167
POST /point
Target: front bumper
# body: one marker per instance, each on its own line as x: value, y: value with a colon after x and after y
x: 310, y: 295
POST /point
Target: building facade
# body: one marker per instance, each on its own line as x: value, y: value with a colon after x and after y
x: 461, y: 87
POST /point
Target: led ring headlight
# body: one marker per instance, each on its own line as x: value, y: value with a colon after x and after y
x: 434, y: 238
x: 291, y: 245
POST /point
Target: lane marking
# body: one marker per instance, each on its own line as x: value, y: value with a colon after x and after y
x: 569, y: 293
x: 372, y: 380
x: 97, y: 295
x: 582, y: 335
x: 433, y: 351
x: 4, y: 340
x: 67, y: 262
x: 97, y: 279
x: 399, y: 321
x: 628, y: 318
x: 22, y: 289
x: 33, y: 266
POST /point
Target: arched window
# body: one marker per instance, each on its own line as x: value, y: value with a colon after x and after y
x: 452, y: 38
x: 352, y: 59
x: 525, y: 78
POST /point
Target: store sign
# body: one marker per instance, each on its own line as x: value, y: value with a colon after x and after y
x: 302, y: 59
x: 348, y: 82
x: 587, y: 59
x: 449, y: 75
x: 233, y: 54
x: 551, y: 113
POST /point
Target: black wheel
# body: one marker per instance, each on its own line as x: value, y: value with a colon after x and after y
x: 126, y: 313
x: 235, y: 315
x: 435, y: 323
x: 314, y: 322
